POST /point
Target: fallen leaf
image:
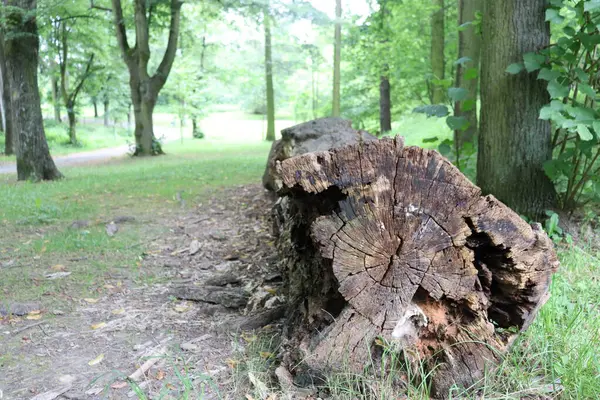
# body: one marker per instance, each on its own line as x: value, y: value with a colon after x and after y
x: 232, y: 363
x: 58, y: 267
x: 108, y: 287
x: 89, y: 300
x: 170, y: 387
x: 118, y: 311
x: 160, y: 375
x: 266, y: 354
x: 119, y: 385
x: 194, y: 247
x: 96, y: 360
x: 99, y: 325
x: 182, y: 308
x: 33, y: 316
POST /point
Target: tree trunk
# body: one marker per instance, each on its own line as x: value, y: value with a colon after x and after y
x: 106, y: 110
x: 386, y: 248
x: 129, y: 116
x: 7, y: 125
x: 72, y: 122
x: 337, y: 60
x: 55, y: 100
x: 467, y: 74
x: 269, y: 76
x: 438, y: 64
x: 513, y: 142
x: 95, y: 103
x: 385, y: 105
x: 21, y: 50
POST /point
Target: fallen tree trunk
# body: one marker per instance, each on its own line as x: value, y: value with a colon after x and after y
x: 384, y: 246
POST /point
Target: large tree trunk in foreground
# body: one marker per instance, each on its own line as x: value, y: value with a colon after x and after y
x: 467, y: 74
x: 5, y: 99
x: 513, y: 142
x: 438, y: 64
x: 21, y: 49
x: 383, y: 245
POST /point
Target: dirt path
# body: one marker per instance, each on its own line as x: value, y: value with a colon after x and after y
x: 88, y: 352
x: 83, y: 158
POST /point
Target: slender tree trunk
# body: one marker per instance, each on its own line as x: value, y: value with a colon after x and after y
x: 129, y: 116
x: 55, y: 100
x: 385, y: 105
x: 438, y: 65
x: 513, y: 142
x: 7, y: 125
x: 269, y: 76
x: 21, y: 50
x: 95, y: 103
x: 337, y: 60
x: 106, y: 110
x: 467, y: 74
x: 72, y: 122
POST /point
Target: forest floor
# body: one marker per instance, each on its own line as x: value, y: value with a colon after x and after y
x: 100, y: 264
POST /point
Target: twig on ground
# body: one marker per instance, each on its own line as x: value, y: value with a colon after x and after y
x: 23, y: 329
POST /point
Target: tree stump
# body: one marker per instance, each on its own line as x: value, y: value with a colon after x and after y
x: 381, y: 243
x: 318, y: 135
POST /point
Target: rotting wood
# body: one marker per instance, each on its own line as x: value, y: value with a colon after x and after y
x: 382, y: 244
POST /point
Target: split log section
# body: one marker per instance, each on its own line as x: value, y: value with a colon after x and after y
x: 382, y: 243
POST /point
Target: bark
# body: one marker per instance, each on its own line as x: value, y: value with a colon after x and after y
x: 513, y: 142
x: 337, y: 60
x: 95, y: 103
x: 390, y: 248
x: 469, y: 45
x: 385, y: 105
x: 55, y: 100
x: 7, y: 126
x: 269, y: 76
x: 438, y: 64
x: 106, y: 110
x: 21, y: 51
x: 143, y: 87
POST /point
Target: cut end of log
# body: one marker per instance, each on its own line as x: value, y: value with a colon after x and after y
x: 383, y: 241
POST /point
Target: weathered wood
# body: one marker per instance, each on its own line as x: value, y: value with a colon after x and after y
x: 318, y: 135
x: 382, y: 243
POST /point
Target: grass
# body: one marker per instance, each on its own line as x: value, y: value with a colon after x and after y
x: 558, y: 357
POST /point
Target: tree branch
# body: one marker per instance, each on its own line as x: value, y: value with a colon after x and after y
x: 92, y: 5
x: 85, y: 75
x: 121, y: 30
x: 160, y: 77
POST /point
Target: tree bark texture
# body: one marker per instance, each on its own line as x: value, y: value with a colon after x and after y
x: 385, y: 105
x: 513, y: 142
x: 269, y: 76
x: 144, y: 87
x: 5, y: 101
x: 55, y: 100
x: 467, y: 74
x: 384, y: 246
x: 21, y: 50
x: 337, y: 60
x: 438, y: 64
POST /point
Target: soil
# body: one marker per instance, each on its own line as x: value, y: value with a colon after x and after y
x: 224, y: 247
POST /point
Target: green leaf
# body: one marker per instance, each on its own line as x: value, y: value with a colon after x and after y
x: 457, y: 123
x: 515, y: 68
x: 581, y: 75
x: 547, y: 74
x: 435, y: 110
x: 557, y: 90
x: 463, y: 60
x: 468, y: 105
x: 584, y: 133
x: 569, y: 31
x: 596, y: 126
x: 458, y: 94
x: 445, y: 149
x: 431, y: 139
x: 553, y: 15
x: 587, y: 90
x: 533, y: 61
x: 591, y: 5
x: 546, y: 113
x: 471, y: 73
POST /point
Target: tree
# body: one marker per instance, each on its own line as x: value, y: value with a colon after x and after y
x: 5, y: 101
x: 467, y: 71
x: 337, y: 59
x: 70, y: 96
x: 438, y: 65
x: 145, y: 87
x: 513, y: 142
x: 21, y: 51
x: 269, y: 75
